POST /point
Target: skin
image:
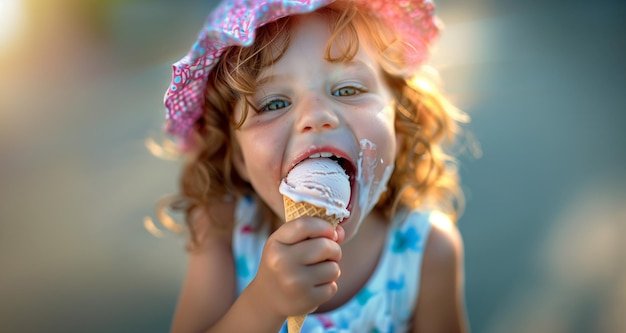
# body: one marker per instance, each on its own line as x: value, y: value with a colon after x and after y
x: 322, y: 105
x: 306, y: 265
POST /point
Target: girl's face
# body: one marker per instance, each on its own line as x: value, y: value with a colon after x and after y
x: 309, y: 105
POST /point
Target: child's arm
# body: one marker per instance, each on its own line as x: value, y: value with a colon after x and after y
x: 441, y: 306
x: 209, y: 285
x: 297, y: 264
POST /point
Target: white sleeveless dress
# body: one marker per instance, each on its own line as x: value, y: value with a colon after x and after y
x: 386, y: 302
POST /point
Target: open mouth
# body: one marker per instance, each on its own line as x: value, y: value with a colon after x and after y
x: 316, y: 188
x: 350, y: 170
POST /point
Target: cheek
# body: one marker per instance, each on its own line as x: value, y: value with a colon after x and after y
x: 262, y: 161
x: 259, y: 155
x: 383, y: 136
x: 388, y: 140
x: 377, y: 159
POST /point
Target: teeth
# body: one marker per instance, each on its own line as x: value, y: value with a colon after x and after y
x: 322, y: 154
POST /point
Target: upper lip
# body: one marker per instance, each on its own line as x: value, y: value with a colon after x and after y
x: 317, y: 150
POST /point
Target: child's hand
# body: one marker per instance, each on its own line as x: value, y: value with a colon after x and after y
x: 299, y: 266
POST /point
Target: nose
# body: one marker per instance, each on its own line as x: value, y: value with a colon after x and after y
x: 315, y: 115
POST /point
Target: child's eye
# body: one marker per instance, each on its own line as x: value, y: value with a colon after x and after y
x: 348, y: 91
x: 275, y: 104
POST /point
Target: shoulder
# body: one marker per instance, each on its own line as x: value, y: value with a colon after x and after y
x: 440, y: 306
x: 444, y: 247
x: 212, y: 226
x: 442, y: 264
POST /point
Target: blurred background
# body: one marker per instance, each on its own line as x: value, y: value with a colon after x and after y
x: 81, y: 88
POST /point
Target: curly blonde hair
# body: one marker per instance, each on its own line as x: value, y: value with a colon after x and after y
x: 425, y: 176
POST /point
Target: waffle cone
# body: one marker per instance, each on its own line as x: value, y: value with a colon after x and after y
x: 294, y: 210
x: 294, y: 323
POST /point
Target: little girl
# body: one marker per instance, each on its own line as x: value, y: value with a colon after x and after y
x: 271, y: 83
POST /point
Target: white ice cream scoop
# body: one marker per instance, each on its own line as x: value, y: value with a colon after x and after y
x: 321, y: 182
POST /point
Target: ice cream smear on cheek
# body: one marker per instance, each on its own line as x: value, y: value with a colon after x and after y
x: 371, y: 187
x: 321, y: 182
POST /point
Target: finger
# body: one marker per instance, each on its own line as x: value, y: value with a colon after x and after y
x: 304, y: 228
x: 341, y: 234
x: 324, y: 292
x: 325, y: 272
x: 316, y: 250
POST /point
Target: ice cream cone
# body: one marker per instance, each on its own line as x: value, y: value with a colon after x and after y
x: 293, y: 210
x: 294, y: 323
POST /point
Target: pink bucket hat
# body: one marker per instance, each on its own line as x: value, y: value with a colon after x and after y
x: 234, y: 22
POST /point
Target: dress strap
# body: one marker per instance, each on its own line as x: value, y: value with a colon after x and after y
x: 249, y: 237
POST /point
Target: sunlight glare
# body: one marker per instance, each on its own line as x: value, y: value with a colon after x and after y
x: 441, y: 220
x: 148, y: 223
x: 166, y: 150
x: 11, y: 16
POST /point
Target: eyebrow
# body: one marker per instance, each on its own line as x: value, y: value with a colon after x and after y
x: 359, y: 65
x: 269, y: 78
x: 356, y: 65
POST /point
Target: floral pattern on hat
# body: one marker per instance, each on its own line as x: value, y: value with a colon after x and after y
x: 234, y: 22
